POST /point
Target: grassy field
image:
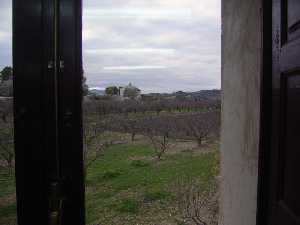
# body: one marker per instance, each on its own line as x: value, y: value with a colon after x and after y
x: 7, y: 198
x: 127, y: 185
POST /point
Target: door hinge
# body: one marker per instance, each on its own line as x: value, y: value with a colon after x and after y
x: 50, y: 64
x: 56, y: 199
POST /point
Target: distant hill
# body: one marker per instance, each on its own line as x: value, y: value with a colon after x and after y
x: 208, y: 95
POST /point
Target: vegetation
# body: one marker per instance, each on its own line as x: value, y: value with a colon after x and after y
x: 6, y: 74
x: 127, y: 186
x: 85, y: 88
x: 145, y: 155
x: 7, y: 155
x: 150, y: 160
x: 6, y: 83
x: 112, y: 90
x: 7, y: 198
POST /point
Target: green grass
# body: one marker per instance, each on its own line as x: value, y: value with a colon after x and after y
x: 129, y: 183
x: 152, y: 196
x: 7, y: 183
x: 8, y: 211
x: 133, y: 174
x: 127, y: 206
x: 7, y: 192
x: 139, y: 163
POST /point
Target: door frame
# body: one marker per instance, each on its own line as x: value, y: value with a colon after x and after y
x: 29, y: 114
x: 264, y: 206
x: 49, y: 181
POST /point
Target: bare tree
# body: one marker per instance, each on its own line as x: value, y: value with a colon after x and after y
x: 6, y: 109
x: 130, y: 125
x: 197, y: 204
x: 202, y: 125
x: 158, y: 131
x: 94, y: 142
x: 104, y: 105
x: 160, y: 144
x: 7, y: 153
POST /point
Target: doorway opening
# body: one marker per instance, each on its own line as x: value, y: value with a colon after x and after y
x: 151, y: 111
x: 147, y: 152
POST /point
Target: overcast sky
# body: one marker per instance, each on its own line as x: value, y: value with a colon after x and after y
x: 5, y: 33
x: 158, y: 45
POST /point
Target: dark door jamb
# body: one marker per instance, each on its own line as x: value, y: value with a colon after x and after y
x: 263, y: 207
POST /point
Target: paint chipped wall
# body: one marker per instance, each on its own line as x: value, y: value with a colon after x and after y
x: 241, y: 75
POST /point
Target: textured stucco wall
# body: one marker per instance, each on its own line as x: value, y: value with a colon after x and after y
x: 241, y: 76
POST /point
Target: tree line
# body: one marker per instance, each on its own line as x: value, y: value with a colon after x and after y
x: 160, y: 130
x: 160, y: 120
x: 107, y: 106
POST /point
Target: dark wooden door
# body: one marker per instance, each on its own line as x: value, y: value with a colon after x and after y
x: 285, y: 147
x: 69, y: 59
x: 47, y: 97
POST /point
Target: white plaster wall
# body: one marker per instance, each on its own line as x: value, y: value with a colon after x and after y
x: 241, y: 76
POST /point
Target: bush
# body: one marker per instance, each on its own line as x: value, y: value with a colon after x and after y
x: 110, y: 174
x: 139, y: 163
x: 128, y: 206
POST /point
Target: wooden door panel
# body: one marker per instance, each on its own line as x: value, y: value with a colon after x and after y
x: 285, y: 147
x: 289, y: 151
x: 289, y: 56
x: 285, y: 216
x: 47, y: 111
x: 28, y: 69
x: 70, y: 115
x: 293, y: 19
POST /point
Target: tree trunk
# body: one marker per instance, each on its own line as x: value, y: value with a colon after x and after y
x: 132, y: 137
x: 159, y: 155
x: 199, y: 141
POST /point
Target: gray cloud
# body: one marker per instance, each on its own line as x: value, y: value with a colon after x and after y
x: 193, y: 64
x: 174, y: 44
x: 5, y: 33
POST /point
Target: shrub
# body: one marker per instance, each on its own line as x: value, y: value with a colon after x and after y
x: 110, y: 174
x: 128, y: 206
x: 139, y: 163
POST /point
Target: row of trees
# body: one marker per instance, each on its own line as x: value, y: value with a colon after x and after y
x: 6, y: 82
x: 6, y: 74
x: 197, y: 125
x: 197, y: 120
x: 105, y: 107
x: 159, y: 130
x: 6, y: 134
